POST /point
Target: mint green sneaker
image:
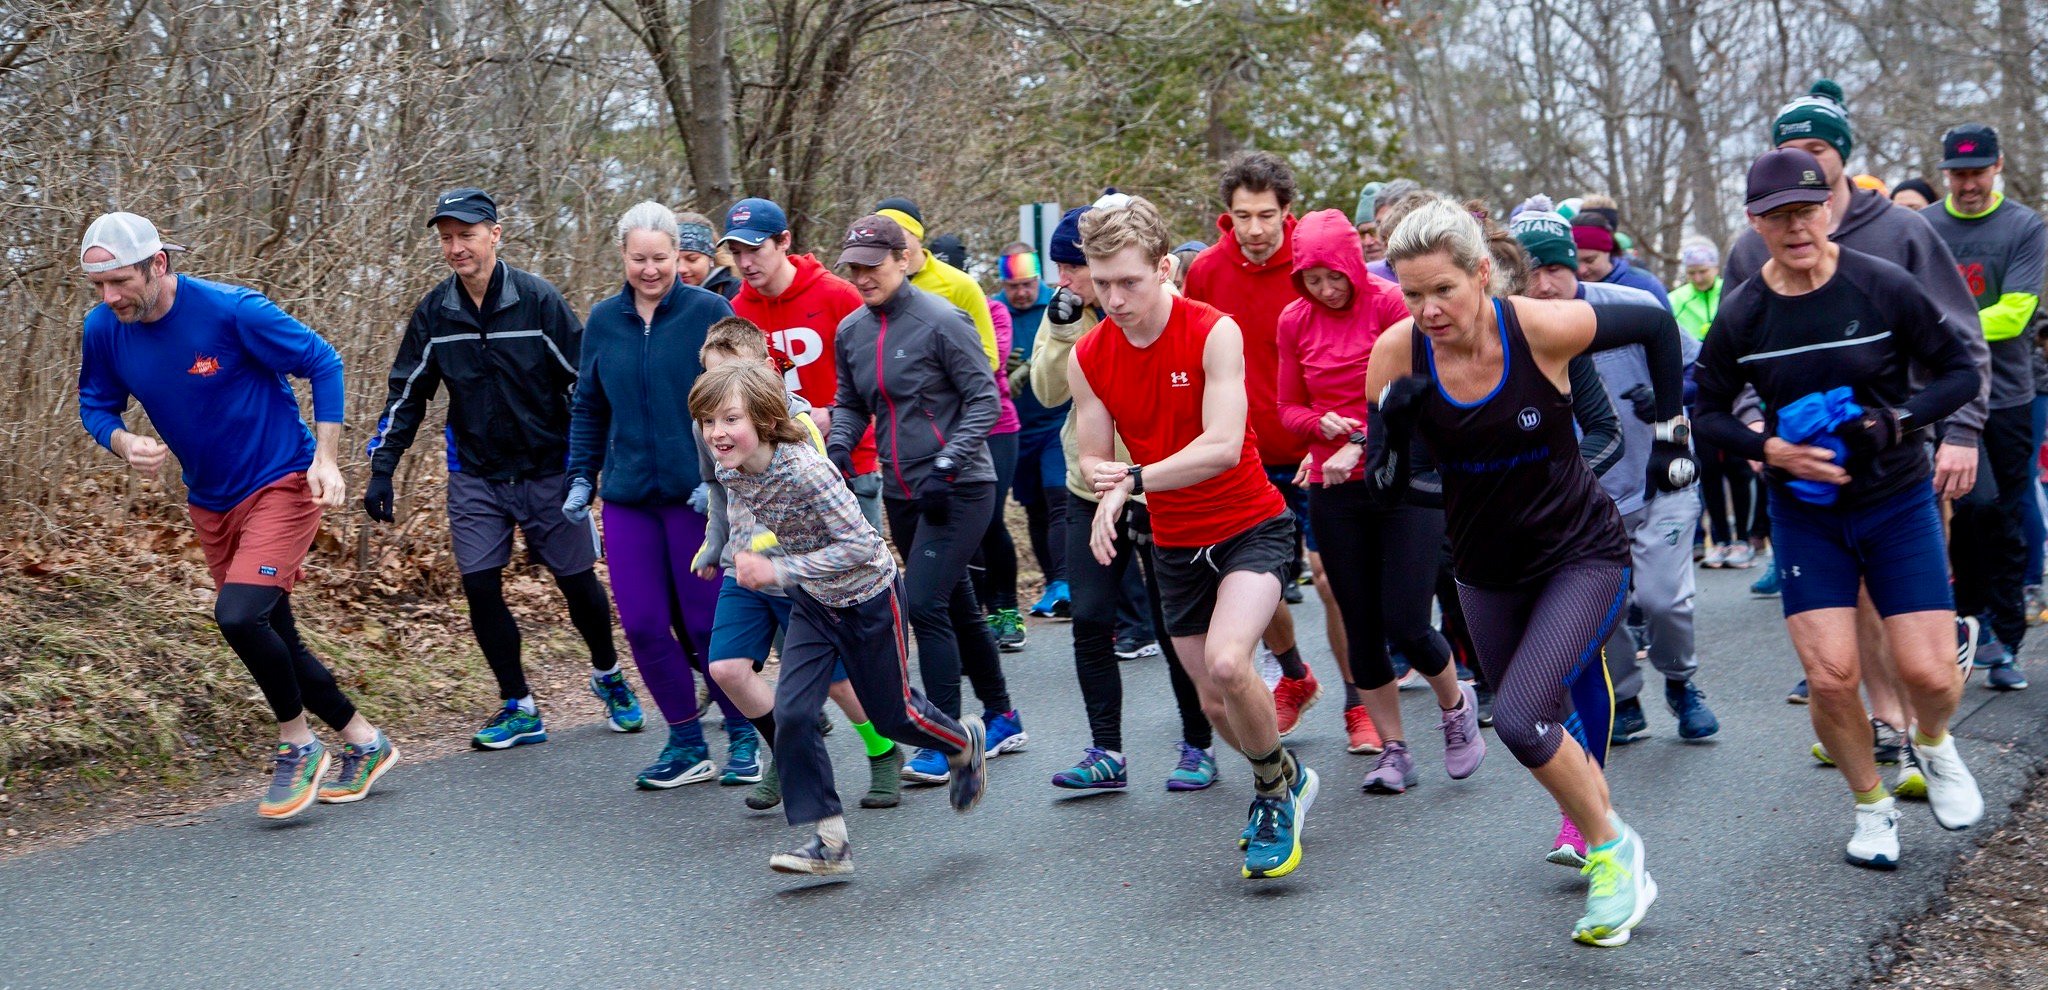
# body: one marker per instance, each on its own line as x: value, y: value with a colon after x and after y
x: 510, y: 727
x: 621, y: 709
x: 360, y: 768
x: 1620, y: 892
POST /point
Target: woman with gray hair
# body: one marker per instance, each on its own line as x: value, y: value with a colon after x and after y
x: 638, y: 363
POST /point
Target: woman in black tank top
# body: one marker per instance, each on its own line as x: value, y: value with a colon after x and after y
x: 1540, y: 556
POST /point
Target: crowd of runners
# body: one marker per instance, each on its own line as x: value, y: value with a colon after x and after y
x: 1491, y: 441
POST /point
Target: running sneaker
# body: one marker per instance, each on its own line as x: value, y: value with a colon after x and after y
x: 1799, y: 693
x: 1392, y: 773
x: 294, y: 780
x: 1890, y: 743
x: 621, y: 709
x: 1689, y: 703
x: 2006, y: 677
x: 1741, y: 557
x: 1008, y: 627
x: 1951, y: 791
x: 1196, y: 770
x: 1360, y: 734
x: 512, y: 726
x: 927, y: 768
x: 1274, y: 849
x: 1005, y: 732
x: 969, y: 769
x: 677, y: 765
x: 1054, y: 603
x: 2036, y: 603
x: 1569, y: 848
x: 768, y: 793
x: 1464, y: 673
x: 1132, y: 648
x: 1621, y: 890
x: 1291, y: 593
x: 1990, y: 651
x: 824, y: 724
x: 1293, y: 696
x: 1766, y: 586
x: 1411, y: 680
x: 1966, y: 645
x: 885, y: 780
x: 360, y: 768
x: 1305, y: 788
x: 817, y: 857
x: 1464, y: 747
x: 1629, y: 723
x: 1485, y: 706
x: 1267, y: 665
x: 1911, y: 785
x: 742, y: 755
x: 1717, y: 557
x: 1875, y: 845
x: 1097, y: 771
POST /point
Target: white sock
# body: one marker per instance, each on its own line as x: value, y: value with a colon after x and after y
x: 609, y: 672
x: 1114, y: 755
x: 526, y: 704
x: 833, y: 830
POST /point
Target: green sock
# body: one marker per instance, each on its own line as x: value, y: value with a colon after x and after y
x: 1873, y: 795
x: 876, y: 743
x: 1920, y: 739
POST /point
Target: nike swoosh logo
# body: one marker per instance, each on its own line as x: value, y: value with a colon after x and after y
x: 451, y: 199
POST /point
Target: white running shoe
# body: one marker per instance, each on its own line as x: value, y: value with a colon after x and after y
x: 1875, y: 845
x: 1951, y: 790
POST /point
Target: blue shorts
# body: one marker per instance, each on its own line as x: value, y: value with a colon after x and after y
x: 747, y: 622
x: 1297, y: 502
x: 1893, y: 547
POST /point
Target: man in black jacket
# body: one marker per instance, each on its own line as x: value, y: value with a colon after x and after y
x: 505, y: 343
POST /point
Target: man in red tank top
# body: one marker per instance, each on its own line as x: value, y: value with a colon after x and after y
x: 1167, y: 375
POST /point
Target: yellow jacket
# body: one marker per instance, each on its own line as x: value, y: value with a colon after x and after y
x: 960, y: 289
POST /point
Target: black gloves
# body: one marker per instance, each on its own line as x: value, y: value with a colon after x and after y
x: 935, y: 498
x: 1399, y: 401
x: 1671, y: 466
x: 842, y: 459
x: 1065, y: 307
x: 377, y: 498
x: 1879, y: 429
x: 1643, y: 402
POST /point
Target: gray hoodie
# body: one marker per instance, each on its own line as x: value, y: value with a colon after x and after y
x: 1875, y: 225
x: 914, y: 365
x: 719, y: 544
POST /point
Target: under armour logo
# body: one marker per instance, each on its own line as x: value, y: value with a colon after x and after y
x: 1529, y: 418
x: 1792, y: 572
x: 1179, y: 379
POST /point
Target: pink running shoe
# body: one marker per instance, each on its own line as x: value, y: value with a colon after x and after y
x: 1570, y: 847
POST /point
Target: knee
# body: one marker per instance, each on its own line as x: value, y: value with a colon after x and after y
x: 932, y: 610
x: 1229, y: 669
x: 485, y: 586
x: 1834, y: 680
x: 1531, y: 743
x: 243, y: 609
x: 731, y: 673
x: 1929, y: 675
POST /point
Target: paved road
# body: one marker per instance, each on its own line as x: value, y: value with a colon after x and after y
x: 542, y: 867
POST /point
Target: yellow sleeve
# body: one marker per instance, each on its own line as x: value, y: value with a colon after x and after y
x: 811, y: 427
x: 2008, y: 317
x: 968, y: 296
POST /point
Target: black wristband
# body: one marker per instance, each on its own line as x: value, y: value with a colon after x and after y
x: 1136, y: 472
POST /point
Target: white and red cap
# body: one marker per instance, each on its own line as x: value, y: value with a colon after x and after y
x: 131, y: 239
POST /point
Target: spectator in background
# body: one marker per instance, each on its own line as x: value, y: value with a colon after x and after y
x: 699, y: 263
x: 1367, y: 224
x: 1914, y: 194
x: 1600, y: 254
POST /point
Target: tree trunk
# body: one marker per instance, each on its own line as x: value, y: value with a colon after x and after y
x: 1675, y: 20
x: 710, y: 116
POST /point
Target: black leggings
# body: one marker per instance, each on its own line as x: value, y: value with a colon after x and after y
x: 1718, y: 468
x: 1096, y: 588
x: 1379, y: 566
x: 497, y: 633
x: 1045, y: 519
x: 256, y: 620
x: 953, y: 637
x: 1540, y: 645
x: 994, y: 568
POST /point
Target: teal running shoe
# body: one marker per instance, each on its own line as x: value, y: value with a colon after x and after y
x: 621, y: 709
x: 1306, y: 786
x: 742, y: 755
x: 512, y: 726
x: 677, y: 765
x: 1195, y: 772
x: 1097, y: 771
x: 295, y: 780
x: 360, y: 768
x: 1620, y: 892
x: 1275, y: 846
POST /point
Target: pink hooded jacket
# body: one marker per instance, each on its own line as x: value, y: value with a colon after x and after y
x: 1323, y: 351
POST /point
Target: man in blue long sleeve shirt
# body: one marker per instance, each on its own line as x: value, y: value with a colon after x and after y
x: 209, y: 363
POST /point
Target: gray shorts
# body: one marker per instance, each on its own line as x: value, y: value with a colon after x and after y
x: 482, y: 514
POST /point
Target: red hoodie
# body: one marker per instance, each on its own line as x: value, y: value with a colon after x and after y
x: 1253, y: 295
x: 801, y: 323
x: 1323, y: 351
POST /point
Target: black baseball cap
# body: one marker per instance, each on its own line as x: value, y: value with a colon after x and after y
x: 469, y: 205
x: 871, y: 240
x: 1969, y: 146
x: 1782, y: 177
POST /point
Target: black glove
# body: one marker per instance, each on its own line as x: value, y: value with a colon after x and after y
x: 1016, y: 363
x: 935, y: 498
x: 842, y: 459
x: 1065, y: 307
x: 1643, y: 402
x: 1671, y: 466
x: 1400, y: 401
x: 377, y: 498
x: 1879, y: 429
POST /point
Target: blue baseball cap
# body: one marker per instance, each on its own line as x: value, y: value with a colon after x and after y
x: 468, y: 204
x: 752, y: 221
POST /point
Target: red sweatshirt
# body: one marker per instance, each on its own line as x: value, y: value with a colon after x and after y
x: 1323, y: 351
x: 1254, y: 295
x: 801, y: 323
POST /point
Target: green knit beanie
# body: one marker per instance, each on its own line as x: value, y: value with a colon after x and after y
x: 1547, y: 237
x: 1822, y: 113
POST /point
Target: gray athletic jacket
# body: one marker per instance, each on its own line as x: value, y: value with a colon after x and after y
x: 914, y: 365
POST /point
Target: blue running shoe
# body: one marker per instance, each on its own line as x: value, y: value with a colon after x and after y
x: 1275, y: 826
x: 1766, y: 586
x: 742, y: 755
x: 970, y: 768
x: 2006, y: 677
x: 677, y: 765
x: 512, y: 726
x: 1799, y: 695
x: 621, y: 709
x: 927, y: 768
x: 1055, y: 603
x: 1689, y: 703
x: 1629, y: 723
x: 1195, y: 772
x: 1005, y: 732
x: 1305, y: 789
x: 1097, y: 771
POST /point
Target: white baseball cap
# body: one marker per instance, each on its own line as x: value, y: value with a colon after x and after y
x: 131, y: 239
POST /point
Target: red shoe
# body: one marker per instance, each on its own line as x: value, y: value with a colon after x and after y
x: 1358, y: 725
x: 1291, y: 697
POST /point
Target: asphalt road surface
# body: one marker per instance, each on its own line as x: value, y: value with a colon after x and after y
x: 542, y: 867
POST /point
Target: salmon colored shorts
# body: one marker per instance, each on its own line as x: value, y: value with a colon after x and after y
x: 264, y: 538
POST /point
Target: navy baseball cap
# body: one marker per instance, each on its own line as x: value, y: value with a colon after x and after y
x: 1783, y: 177
x: 469, y: 205
x: 1970, y: 146
x: 752, y: 221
